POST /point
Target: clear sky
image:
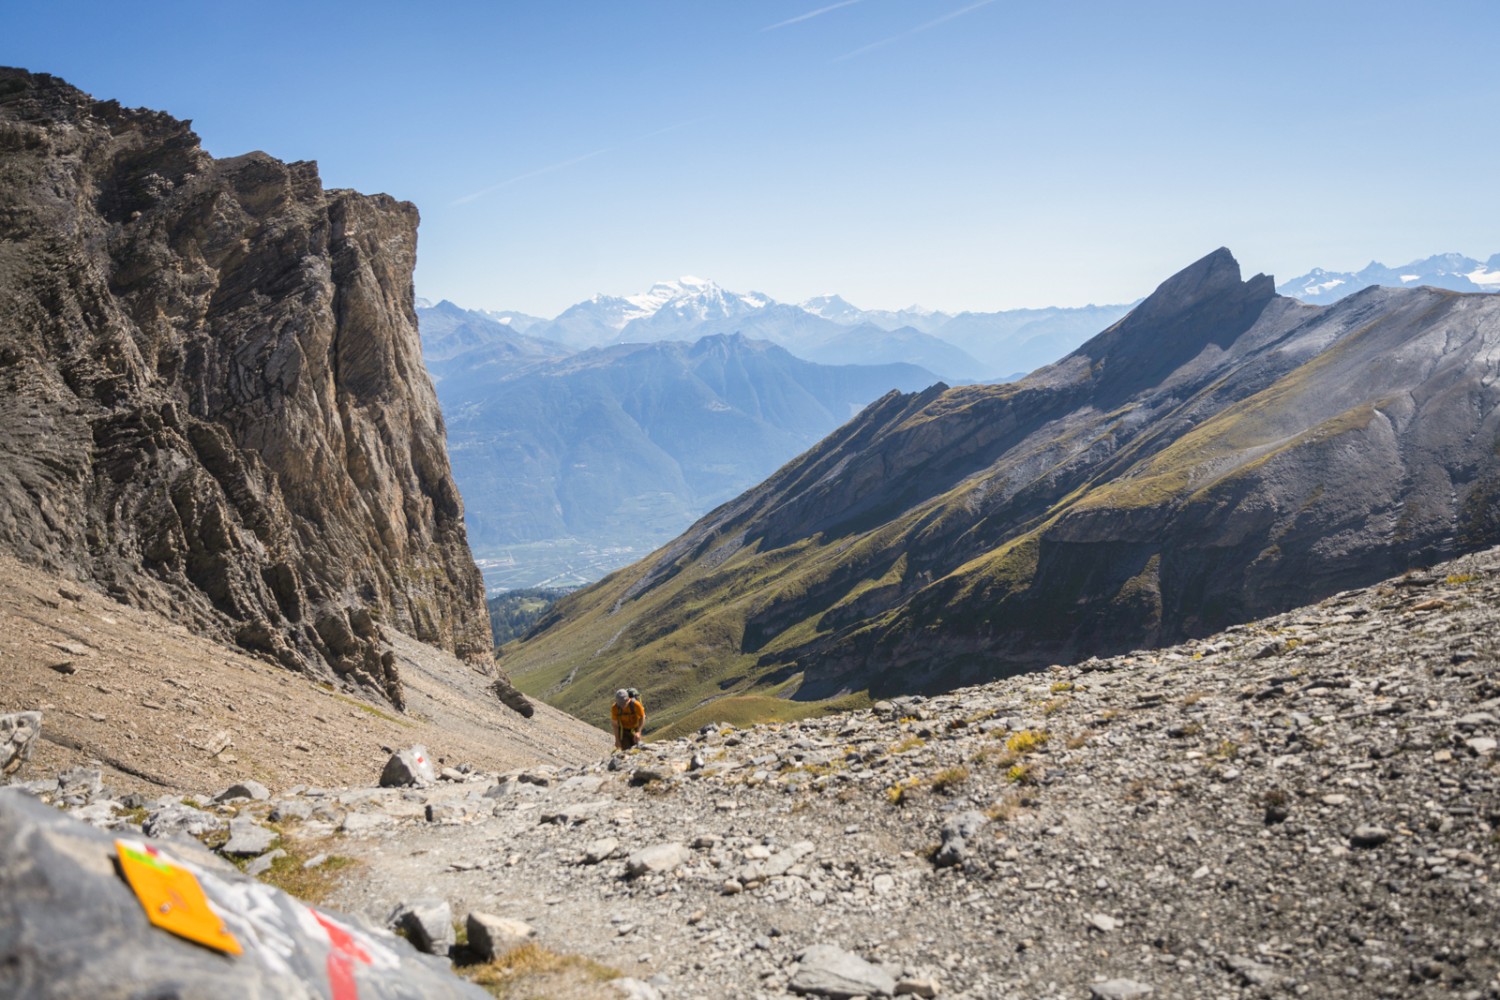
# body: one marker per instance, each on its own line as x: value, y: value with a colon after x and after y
x: 953, y: 153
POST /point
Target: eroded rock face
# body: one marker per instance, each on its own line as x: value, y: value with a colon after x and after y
x: 213, y: 394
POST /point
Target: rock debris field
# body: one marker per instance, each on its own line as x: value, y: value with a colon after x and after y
x: 1303, y: 806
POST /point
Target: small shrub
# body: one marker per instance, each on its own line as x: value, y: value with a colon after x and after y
x: 1004, y: 810
x: 1053, y: 706
x: 949, y: 778
x: 534, y: 971
x: 1021, y: 774
x: 1026, y: 741
x: 908, y: 743
x: 1458, y: 579
x: 1062, y: 687
x: 1080, y: 740
x: 901, y: 792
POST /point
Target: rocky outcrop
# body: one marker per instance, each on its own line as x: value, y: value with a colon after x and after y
x: 70, y: 926
x: 1220, y: 453
x: 213, y: 393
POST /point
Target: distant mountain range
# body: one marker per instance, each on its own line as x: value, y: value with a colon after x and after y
x: 539, y: 523
x: 1222, y: 452
x: 1450, y: 270
x: 963, y: 347
x: 572, y: 464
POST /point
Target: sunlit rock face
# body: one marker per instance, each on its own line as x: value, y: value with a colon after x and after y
x: 212, y: 391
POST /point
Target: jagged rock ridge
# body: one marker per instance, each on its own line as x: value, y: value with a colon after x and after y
x: 1220, y: 453
x: 213, y: 394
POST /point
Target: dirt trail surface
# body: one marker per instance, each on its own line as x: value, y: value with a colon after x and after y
x: 163, y: 710
x: 1304, y: 806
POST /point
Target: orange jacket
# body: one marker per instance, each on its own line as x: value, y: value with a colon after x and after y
x: 632, y: 716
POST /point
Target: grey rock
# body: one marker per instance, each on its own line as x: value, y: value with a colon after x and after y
x: 247, y: 837
x: 1251, y: 972
x: 490, y: 937
x: 953, y: 847
x: 1369, y: 836
x: 600, y: 850
x: 925, y: 987
x: 657, y: 859
x: 177, y: 820
x: 427, y: 923
x: 17, y: 731
x: 412, y: 766
x: 79, y: 785
x: 827, y: 971
x: 249, y: 789
x: 631, y: 988
x: 364, y: 822
x: 1119, y: 989
x: 263, y: 864
x: 71, y: 927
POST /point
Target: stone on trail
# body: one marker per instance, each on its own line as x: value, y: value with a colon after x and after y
x: 247, y: 837
x: 490, y: 937
x: 599, y: 850
x: 263, y: 864
x: 249, y: 789
x: 1120, y: 989
x: 178, y: 820
x: 630, y: 988
x: 70, y: 926
x: 827, y: 971
x: 427, y: 923
x: 656, y: 859
x: 412, y: 766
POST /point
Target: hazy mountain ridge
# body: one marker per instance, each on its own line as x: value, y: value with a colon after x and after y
x: 626, y: 444
x: 965, y: 347
x: 1221, y: 452
x: 1450, y: 270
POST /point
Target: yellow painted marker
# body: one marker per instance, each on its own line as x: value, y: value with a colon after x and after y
x: 173, y: 899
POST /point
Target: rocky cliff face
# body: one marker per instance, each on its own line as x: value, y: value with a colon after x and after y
x: 212, y: 390
x: 1220, y: 453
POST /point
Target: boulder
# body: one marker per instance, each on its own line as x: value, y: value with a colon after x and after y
x: 427, y: 924
x: 17, y: 731
x: 827, y: 971
x: 490, y: 936
x: 70, y: 926
x: 411, y: 766
x: 249, y: 789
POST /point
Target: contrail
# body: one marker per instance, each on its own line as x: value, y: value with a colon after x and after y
x: 919, y: 28
x: 530, y: 173
x: 809, y: 15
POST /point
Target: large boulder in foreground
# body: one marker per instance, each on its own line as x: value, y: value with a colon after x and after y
x: 70, y: 927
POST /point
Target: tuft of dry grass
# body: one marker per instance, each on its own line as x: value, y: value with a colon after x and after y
x: 949, y: 778
x: 532, y: 972
x: 311, y: 885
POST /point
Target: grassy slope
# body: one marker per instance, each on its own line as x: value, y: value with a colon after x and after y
x: 685, y: 641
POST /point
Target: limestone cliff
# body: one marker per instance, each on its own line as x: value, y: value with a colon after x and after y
x: 212, y: 391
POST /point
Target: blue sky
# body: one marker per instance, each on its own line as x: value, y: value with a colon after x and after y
x: 961, y: 155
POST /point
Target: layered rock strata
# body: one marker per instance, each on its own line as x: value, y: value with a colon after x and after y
x: 213, y: 394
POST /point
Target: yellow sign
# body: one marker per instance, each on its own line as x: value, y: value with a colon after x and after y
x: 172, y: 897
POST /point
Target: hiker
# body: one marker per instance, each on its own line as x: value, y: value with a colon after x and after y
x: 628, y: 716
